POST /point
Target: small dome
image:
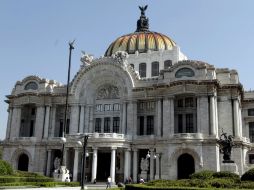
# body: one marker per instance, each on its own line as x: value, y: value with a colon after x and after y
x: 141, y: 42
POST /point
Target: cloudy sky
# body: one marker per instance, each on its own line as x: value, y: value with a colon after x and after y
x: 34, y: 35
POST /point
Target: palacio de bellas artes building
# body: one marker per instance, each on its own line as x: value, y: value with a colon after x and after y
x: 148, y: 110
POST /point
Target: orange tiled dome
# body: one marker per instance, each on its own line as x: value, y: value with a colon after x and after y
x: 140, y: 41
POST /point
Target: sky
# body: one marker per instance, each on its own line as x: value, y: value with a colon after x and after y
x: 34, y: 35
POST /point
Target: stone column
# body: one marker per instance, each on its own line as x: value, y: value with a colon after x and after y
x: 236, y: 118
x: 135, y: 165
x: 81, y: 119
x: 75, y: 165
x: 159, y: 118
x: 151, y: 164
x: 90, y: 129
x: 132, y: 118
x: 9, y: 123
x: 74, y: 120
x: 48, y: 163
x: 113, y: 164
x: 212, y: 116
x: 172, y: 116
x: 53, y: 122
x: 94, y: 165
x: 46, y: 123
x: 86, y: 127
x: 15, y: 121
x: 124, y: 119
x: 216, y: 117
x: 240, y: 122
x: 39, y: 122
x: 126, y: 163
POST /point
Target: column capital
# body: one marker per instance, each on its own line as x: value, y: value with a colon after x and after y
x: 94, y: 148
x: 135, y: 149
x: 113, y: 148
x: 49, y: 150
x: 127, y: 149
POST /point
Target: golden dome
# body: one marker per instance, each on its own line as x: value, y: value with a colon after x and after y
x: 141, y: 41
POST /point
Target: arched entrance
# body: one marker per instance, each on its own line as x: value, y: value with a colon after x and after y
x: 23, y: 162
x: 185, y: 166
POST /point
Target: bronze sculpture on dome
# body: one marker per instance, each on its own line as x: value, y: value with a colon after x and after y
x: 143, y: 9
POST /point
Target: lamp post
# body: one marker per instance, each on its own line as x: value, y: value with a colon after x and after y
x: 71, y: 47
x: 157, y: 157
x: 84, y: 162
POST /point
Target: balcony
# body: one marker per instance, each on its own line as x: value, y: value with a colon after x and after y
x: 188, y: 135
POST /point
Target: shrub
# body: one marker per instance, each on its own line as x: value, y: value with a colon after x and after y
x: 205, y: 174
x: 27, y: 174
x: 247, y: 185
x: 5, y: 168
x: 224, y: 174
x: 222, y: 183
x: 248, y: 176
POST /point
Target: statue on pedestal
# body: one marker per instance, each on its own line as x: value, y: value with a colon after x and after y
x: 226, y: 143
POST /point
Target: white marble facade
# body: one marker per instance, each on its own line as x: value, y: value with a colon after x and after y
x: 177, y: 116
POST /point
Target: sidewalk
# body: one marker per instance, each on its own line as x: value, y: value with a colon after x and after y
x: 87, y: 186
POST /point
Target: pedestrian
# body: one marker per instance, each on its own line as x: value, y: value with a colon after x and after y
x: 141, y: 180
x: 108, y: 182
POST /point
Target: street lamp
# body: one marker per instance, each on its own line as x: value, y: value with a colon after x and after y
x: 83, y: 161
x: 71, y: 47
x: 156, y: 156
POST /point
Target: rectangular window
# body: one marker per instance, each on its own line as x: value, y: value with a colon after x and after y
x: 251, y: 158
x: 98, y: 108
x: 31, y: 128
x: 67, y: 130
x: 189, y: 102
x: 33, y: 111
x: 180, y: 103
x: 97, y: 125
x: 189, y: 123
x: 116, y: 124
x: 150, y: 125
x: 251, y: 131
x: 141, y: 125
x: 180, y: 123
x: 250, y: 112
x: 116, y: 107
x: 150, y: 105
x: 107, y: 125
x: 107, y: 107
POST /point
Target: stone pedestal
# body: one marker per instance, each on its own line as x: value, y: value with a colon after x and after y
x: 229, y: 167
x: 61, y: 174
x: 144, y: 175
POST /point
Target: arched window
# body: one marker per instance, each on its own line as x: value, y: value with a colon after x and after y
x: 23, y: 162
x: 155, y: 69
x: 31, y: 86
x: 167, y: 64
x: 184, y: 72
x: 142, y: 69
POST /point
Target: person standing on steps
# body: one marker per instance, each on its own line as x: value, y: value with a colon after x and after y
x: 108, y: 182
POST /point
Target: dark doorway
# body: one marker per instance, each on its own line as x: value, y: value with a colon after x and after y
x: 23, y: 162
x: 185, y: 166
x: 103, y: 167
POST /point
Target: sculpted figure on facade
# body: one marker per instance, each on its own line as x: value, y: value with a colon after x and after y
x: 226, y: 143
x: 144, y: 164
x: 86, y: 59
x: 120, y: 57
x: 108, y: 92
x: 57, y: 163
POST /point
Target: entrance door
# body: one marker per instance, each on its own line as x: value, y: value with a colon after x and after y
x: 185, y: 166
x: 103, y: 166
x: 23, y: 162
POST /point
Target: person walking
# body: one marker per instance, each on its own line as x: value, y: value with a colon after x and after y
x: 108, y: 182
